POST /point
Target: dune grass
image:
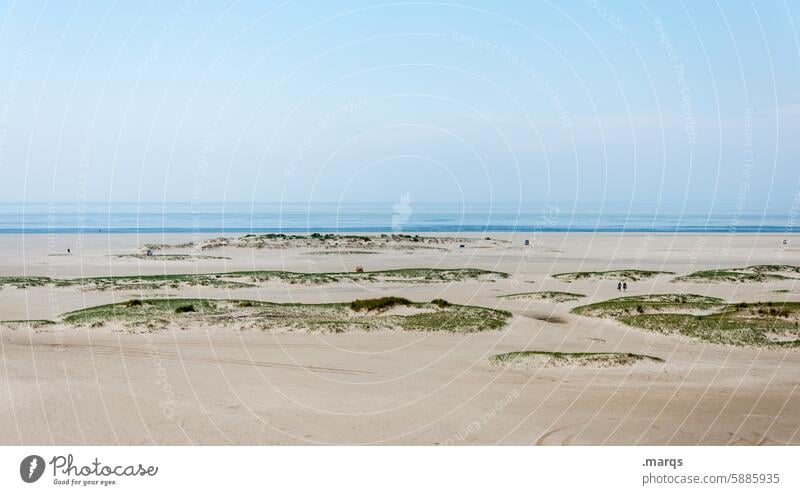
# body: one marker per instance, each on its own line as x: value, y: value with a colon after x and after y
x: 25, y: 282
x: 244, y: 279
x: 379, y: 304
x: 171, y: 257
x: 30, y: 323
x: 153, y: 314
x: 748, y: 274
x: 544, y: 359
x: 550, y: 295
x: 622, y: 275
x: 707, y: 319
x: 651, y: 303
x: 341, y: 252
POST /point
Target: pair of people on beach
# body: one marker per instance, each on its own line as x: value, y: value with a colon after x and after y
x: 622, y: 286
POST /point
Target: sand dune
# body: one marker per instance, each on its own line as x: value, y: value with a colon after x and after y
x: 209, y: 384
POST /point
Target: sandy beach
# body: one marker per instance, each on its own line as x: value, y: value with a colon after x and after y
x: 211, y: 384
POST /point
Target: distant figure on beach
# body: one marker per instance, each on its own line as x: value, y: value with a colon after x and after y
x: 624, y: 286
x: 68, y: 251
x: 619, y: 286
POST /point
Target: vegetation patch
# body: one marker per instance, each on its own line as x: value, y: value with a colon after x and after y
x: 341, y: 252
x: 185, y: 308
x: 237, y: 280
x: 365, y: 314
x: 653, y: 303
x: 544, y: 359
x: 26, y: 323
x: 379, y: 304
x: 171, y: 257
x: 24, y: 282
x: 622, y: 275
x: 708, y: 319
x: 749, y: 274
x: 554, y: 296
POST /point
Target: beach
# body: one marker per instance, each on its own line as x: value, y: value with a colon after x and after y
x: 206, y: 383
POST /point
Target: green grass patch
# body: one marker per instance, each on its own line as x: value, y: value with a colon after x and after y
x: 378, y: 304
x: 369, y: 314
x: 622, y: 275
x: 341, y: 252
x: 550, y: 295
x: 708, y: 319
x: 686, y: 303
x: 748, y: 274
x: 30, y: 323
x: 244, y: 279
x: 25, y: 282
x: 171, y: 257
x: 543, y: 359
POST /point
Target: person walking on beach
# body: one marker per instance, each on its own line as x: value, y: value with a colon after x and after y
x: 619, y: 286
x: 624, y: 286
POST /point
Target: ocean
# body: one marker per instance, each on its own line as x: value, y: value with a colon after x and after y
x: 404, y: 216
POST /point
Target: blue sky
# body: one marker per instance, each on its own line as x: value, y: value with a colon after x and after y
x: 597, y: 101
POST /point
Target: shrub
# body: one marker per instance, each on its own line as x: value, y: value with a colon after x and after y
x: 185, y: 308
x: 441, y: 303
x: 133, y: 302
x: 379, y: 304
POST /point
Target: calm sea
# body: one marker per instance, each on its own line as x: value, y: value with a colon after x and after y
x: 377, y: 217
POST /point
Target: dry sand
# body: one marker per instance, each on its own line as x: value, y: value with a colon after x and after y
x: 216, y: 386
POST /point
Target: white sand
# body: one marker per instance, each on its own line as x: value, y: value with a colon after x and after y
x: 217, y: 386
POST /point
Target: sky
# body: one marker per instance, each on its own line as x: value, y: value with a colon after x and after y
x: 638, y: 103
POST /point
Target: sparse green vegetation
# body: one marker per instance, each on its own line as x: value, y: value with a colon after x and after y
x: 622, y: 275
x: 554, y: 296
x: 371, y: 314
x: 27, y: 323
x: 543, y: 359
x: 341, y: 252
x: 749, y: 274
x: 761, y: 324
x: 661, y: 303
x: 236, y: 280
x: 171, y: 257
x: 24, y: 282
